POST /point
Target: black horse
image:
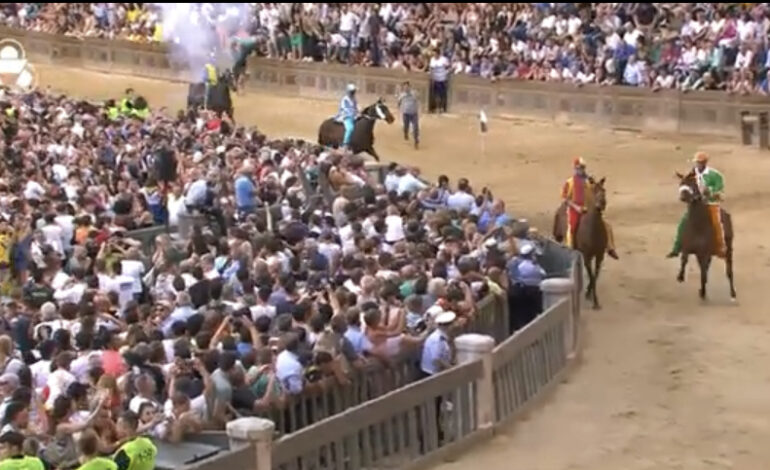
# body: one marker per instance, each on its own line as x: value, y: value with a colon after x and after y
x: 331, y: 133
x: 218, y: 99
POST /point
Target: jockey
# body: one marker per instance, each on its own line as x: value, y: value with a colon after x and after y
x: 712, y: 185
x: 348, y: 113
x: 209, y: 76
x: 577, y: 193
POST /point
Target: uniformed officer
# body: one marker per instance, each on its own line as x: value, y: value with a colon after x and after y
x: 437, y: 349
x: 13, y: 456
x: 88, y: 445
x: 139, y: 452
x: 525, y: 277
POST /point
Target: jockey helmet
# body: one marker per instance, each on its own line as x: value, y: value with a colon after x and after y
x: 351, y: 87
x: 579, y: 162
x: 700, y: 157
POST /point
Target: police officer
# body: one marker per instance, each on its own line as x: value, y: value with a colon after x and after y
x: 138, y: 453
x: 437, y: 349
x: 13, y: 456
x: 88, y: 445
x: 127, y: 103
x: 525, y: 276
x: 437, y: 356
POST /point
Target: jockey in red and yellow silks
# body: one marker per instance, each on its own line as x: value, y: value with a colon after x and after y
x: 577, y: 193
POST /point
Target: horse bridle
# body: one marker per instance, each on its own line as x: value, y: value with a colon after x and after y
x: 378, y: 110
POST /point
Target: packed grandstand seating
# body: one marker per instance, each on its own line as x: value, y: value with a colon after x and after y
x: 104, y: 338
x: 685, y: 46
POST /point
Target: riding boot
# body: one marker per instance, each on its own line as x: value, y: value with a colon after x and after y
x: 677, y: 248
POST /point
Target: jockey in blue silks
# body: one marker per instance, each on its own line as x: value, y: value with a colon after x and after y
x: 348, y: 113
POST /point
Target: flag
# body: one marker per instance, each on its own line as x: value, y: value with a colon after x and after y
x: 483, y: 121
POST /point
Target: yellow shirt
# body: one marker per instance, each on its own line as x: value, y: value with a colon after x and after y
x: 6, y: 239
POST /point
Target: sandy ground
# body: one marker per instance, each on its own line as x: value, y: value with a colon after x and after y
x: 666, y: 382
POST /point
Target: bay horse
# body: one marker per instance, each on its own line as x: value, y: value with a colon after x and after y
x: 331, y: 133
x: 698, y: 234
x: 590, y: 238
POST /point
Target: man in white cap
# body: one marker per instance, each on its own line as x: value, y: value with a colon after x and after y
x: 437, y: 349
x: 525, y: 277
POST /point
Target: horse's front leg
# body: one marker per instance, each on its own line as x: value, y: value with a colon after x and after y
x: 373, y: 153
x: 682, y: 267
x: 705, y: 263
x: 599, y: 260
x: 590, y: 271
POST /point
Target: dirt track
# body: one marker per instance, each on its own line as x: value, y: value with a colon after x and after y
x: 666, y: 382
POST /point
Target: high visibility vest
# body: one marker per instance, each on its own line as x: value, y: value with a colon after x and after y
x: 211, y: 74
x: 140, y: 113
x: 99, y: 463
x: 141, y: 452
x: 22, y: 463
x: 124, y: 106
x: 113, y: 113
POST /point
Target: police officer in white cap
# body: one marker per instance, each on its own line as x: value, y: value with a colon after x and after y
x: 525, y: 278
x: 437, y: 349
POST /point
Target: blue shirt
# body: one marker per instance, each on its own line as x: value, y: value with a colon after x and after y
x: 529, y: 273
x: 436, y: 348
x: 244, y: 193
x: 358, y: 339
x: 179, y: 314
x: 348, y: 108
x: 288, y: 370
x: 197, y: 193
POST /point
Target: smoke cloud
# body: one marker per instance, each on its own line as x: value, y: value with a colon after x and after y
x: 197, y: 33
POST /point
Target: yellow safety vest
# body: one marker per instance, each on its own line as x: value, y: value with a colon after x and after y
x: 22, y: 463
x: 99, y: 463
x: 211, y: 72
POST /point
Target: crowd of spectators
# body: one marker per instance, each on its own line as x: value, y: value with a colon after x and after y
x: 685, y: 46
x: 103, y: 342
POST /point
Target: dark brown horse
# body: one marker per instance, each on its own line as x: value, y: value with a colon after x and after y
x: 332, y: 133
x: 590, y: 238
x: 698, y: 234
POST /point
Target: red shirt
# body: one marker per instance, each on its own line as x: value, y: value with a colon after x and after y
x: 113, y: 364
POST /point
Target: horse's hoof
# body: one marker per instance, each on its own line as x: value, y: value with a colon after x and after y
x: 680, y: 278
x: 597, y: 307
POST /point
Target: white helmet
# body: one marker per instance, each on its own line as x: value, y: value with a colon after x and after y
x: 351, y: 87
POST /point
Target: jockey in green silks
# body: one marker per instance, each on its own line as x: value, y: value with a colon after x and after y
x: 712, y: 186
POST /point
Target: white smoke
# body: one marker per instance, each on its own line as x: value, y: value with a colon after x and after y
x: 197, y: 33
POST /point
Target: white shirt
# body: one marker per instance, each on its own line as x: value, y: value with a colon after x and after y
x: 743, y: 59
x: 34, y: 190
x: 410, y: 184
x: 41, y: 370
x: 394, y: 228
x: 348, y: 21
x: 67, y: 224
x: 83, y: 363
x: 461, y: 201
x: 58, y: 382
x: 175, y: 205
x: 133, y: 269
x: 73, y: 294
x: 53, y: 236
x: 391, y: 182
x: 59, y: 280
x: 439, y: 68
x: 124, y: 286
